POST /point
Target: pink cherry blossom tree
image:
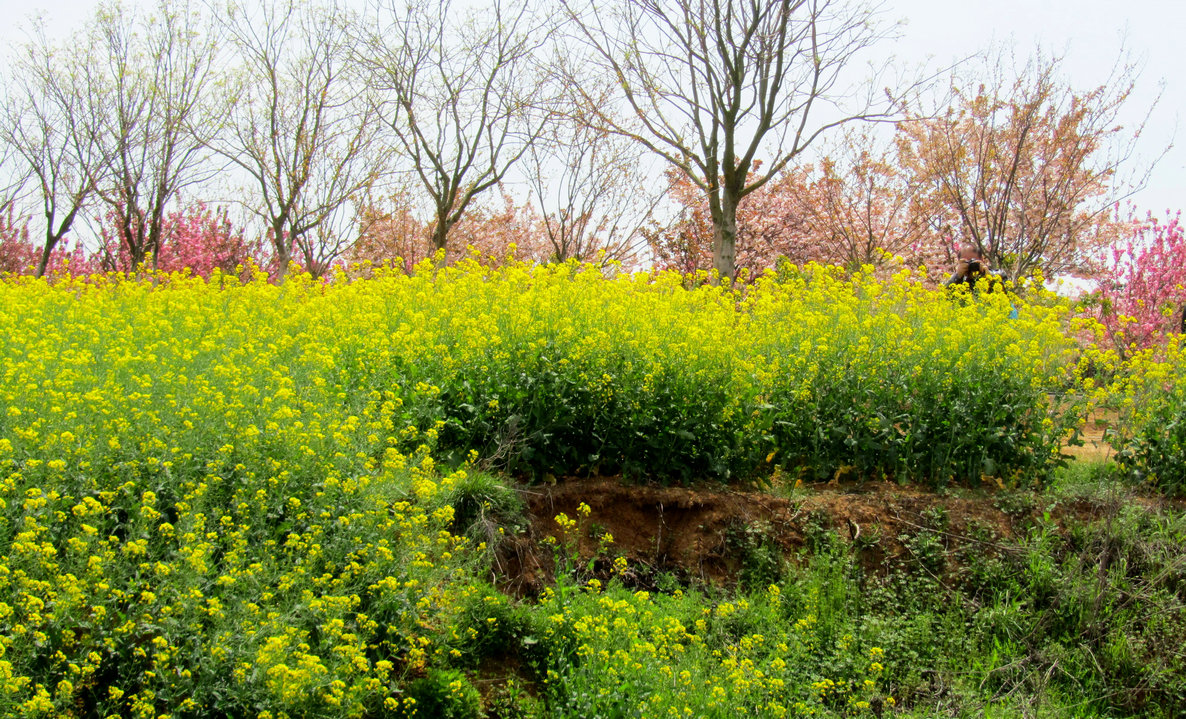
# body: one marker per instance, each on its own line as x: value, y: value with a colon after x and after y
x: 1143, y: 295
x: 195, y: 237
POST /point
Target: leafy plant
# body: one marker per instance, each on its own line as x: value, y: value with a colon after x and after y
x: 444, y: 693
x: 485, y: 508
x: 1151, y: 446
x: 759, y: 556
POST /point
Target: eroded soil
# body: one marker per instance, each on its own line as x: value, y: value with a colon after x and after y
x: 701, y: 534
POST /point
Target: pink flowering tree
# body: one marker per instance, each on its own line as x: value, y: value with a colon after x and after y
x: 21, y: 256
x: 17, y: 253
x: 196, y: 237
x: 488, y: 230
x: 1143, y: 301
x: 203, y: 239
x: 770, y: 224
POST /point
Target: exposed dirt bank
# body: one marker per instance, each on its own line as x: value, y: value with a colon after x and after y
x: 702, y: 534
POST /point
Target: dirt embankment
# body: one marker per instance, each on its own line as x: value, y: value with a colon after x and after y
x: 702, y: 534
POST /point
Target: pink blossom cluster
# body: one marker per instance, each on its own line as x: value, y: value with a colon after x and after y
x: 19, y: 254
x: 197, y: 237
x: 1142, y: 300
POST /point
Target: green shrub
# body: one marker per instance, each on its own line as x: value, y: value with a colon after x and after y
x: 758, y: 554
x: 489, y: 626
x: 443, y: 694
x: 485, y: 508
x: 1151, y: 442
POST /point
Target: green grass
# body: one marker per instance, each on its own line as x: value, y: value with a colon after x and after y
x: 1080, y: 616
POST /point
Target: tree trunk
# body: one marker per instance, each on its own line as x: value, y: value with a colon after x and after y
x: 283, y: 246
x: 154, y: 241
x: 724, y: 234
x: 282, y: 260
x: 46, y: 251
x: 53, y: 237
x: 133, y: 237
x: 440, y: 233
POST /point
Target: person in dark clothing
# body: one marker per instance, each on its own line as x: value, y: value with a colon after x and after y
x: 970, y: 267
x: 972, y: 270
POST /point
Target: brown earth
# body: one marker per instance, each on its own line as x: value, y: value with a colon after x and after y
x: 699, y: 534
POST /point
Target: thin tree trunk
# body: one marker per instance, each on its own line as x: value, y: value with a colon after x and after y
x: 724, y: 235
x: 154, y: 242
x: 440, y: 235
x: 50, y: 243
x: 282, y: 260
x: 283, y: 247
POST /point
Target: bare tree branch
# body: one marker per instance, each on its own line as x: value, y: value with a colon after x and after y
x: 52, y: 135
x: 147, y: 79
x: 461, y: 94
x: 304, y: 130
x: 710, y: 86
x: 593, y: 193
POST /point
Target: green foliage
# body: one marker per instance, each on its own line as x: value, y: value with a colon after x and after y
x: 1151, y: 442
x: 758, y: 554
x: 642, y: 655
x: 443, y: 694
x: 228, y: 499
x: 512, y: 701
x: 888, y: 381
x: 486, y: 509
x: 489, y: 626
x: 1080, y: 613
x: 560, y: 371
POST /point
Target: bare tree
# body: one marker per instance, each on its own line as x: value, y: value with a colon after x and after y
x: 148, y: 79
x: 51, y: 134
x: 709, y: 85
x: 13, y: 172
x: 304, y: 131
x: 1021, y: 165
x: 593, y: 192
x: 462, y: 95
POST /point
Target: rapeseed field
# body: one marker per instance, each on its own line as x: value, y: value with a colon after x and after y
x: 226, y: 498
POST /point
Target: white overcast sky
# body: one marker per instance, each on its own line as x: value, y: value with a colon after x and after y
x: 1089, y: 33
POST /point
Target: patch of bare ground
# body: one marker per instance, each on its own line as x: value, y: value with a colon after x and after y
x: 1094, y: 447
x: 692, y: 532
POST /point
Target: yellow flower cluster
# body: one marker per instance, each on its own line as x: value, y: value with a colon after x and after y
x: 713, y: 661
x: 806, y: 368
x: 564, y: 369
x: 216, y: 496
x: 888, y: 376
x: 205, y: 509
x: 1150, y: 399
